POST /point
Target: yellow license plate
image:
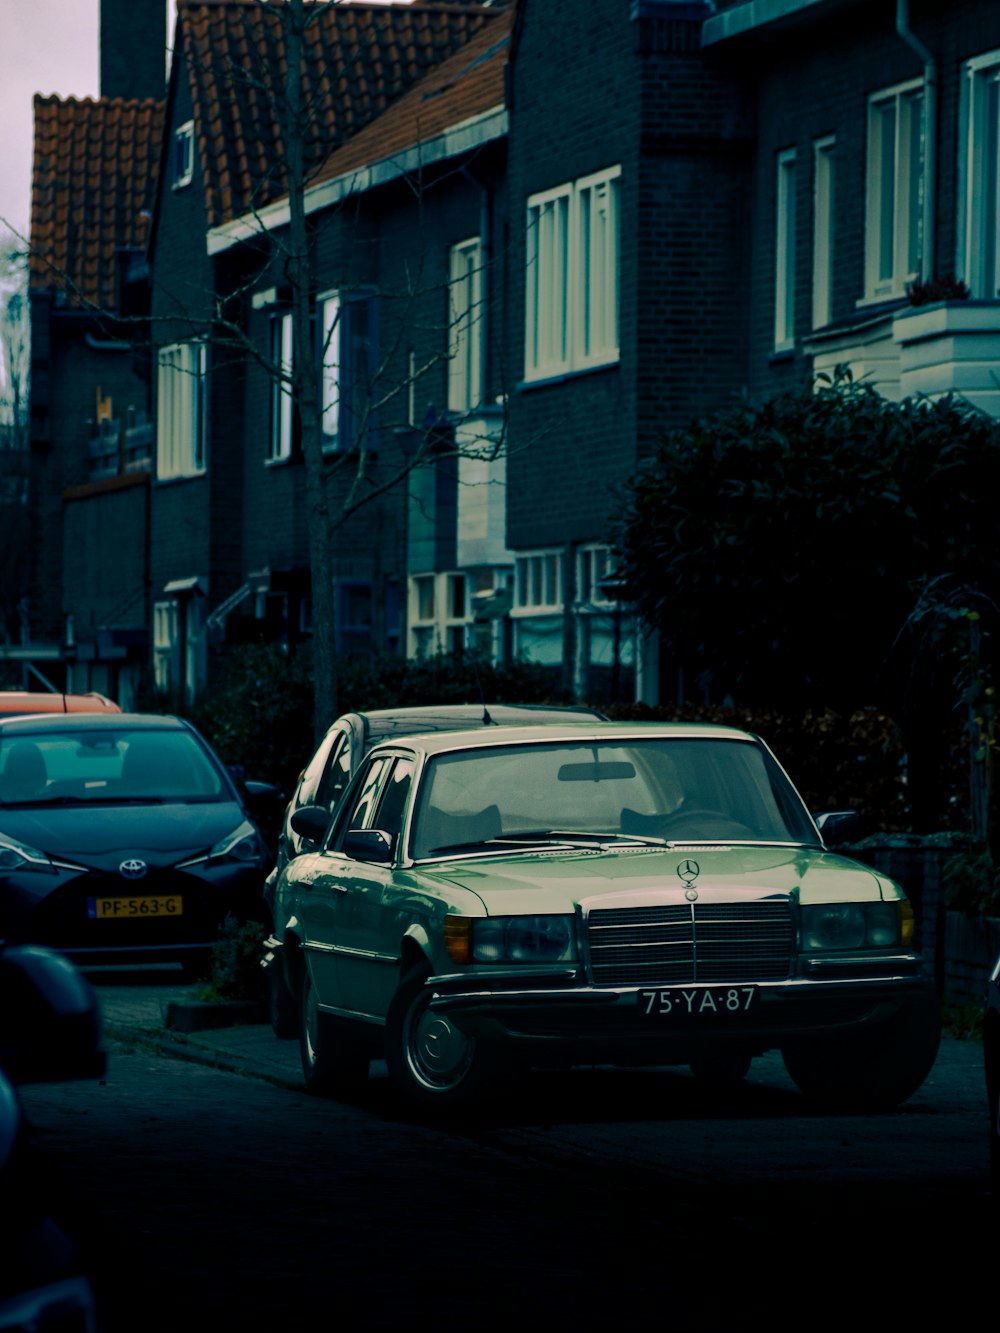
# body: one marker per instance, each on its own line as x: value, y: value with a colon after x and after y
x: 128, y: 909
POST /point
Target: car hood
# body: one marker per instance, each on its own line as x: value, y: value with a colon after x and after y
x: 556, y: 881
x: 99, y: 835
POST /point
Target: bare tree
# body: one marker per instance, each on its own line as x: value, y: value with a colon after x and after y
x: 14, y: 442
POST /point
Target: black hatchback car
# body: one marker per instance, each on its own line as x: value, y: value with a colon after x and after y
x: 122, y: 838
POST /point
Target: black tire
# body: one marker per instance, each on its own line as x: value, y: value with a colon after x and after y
x: 721, y: 1069
x: 431, y: 1062
x: 873, y: 1069
x: 334, y: 1064
x: 282, y: 1008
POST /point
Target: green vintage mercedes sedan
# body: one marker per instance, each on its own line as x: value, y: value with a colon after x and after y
x: 593, y: 893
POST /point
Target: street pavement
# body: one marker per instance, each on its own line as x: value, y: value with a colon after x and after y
x: 156, y: 1016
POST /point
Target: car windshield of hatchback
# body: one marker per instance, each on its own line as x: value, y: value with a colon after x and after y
x: 679, y: 790
x: 107, y: 766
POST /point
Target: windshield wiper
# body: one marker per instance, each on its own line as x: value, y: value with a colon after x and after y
x: 554, y: 835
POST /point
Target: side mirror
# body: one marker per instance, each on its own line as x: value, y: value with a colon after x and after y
x: 310, y: 821
x: 50, y: 1027
x: 839, y: 826
x: 262, y: 791
x: 368, y: 845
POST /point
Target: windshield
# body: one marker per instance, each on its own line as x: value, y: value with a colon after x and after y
x: 120, y: 765
x: 677, y: 790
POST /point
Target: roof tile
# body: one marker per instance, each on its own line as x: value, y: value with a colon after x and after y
x: 358, y: 58
x: 94, y: 172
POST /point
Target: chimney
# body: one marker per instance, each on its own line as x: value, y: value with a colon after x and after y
x: 133, y: 49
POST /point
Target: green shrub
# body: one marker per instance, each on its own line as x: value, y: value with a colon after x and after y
x: 972, y: 882
x: 234, y: 971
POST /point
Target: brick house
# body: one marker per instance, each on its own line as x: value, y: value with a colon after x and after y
x: 875, y: 167
x: 627, y: 309
x: 229, y: 554
x: 539, y: 243
x: 94, y: 165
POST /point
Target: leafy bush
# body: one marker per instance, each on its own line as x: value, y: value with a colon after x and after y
x: 972, y: 882
x: 234, y: 971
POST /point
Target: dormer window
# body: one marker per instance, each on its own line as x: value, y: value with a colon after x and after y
x: 184, y: 155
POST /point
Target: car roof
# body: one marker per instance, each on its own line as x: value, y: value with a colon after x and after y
x: 604, y: 733
x: 22, y: 702
x: 60, y: 722
x: 381, y: 723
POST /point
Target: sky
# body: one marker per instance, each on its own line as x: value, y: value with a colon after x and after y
x: 46, y: 46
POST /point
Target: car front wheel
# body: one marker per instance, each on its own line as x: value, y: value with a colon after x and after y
x: 334, y: 1064
x: 874, y: 1068
x: 431, y: 1061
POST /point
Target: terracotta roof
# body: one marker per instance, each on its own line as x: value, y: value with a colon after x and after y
x: 93, y: 179
x: 467, y: 85
x: 358, y: 59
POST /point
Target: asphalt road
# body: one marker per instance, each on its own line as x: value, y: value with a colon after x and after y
x: 213, y: 1200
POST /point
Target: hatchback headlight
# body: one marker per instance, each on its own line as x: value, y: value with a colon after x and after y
x: 243, y: 844
x: 16, y: 856
x: 509, y: 939
x: 857, y: 925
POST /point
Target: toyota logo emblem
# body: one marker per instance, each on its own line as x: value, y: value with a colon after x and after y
x: 132, y: 869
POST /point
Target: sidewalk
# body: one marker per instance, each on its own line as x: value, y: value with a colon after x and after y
x: 189, y: 1030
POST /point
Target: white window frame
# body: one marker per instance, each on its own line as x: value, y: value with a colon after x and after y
x: 164, y: 641
x: 340, y: 317
x: 181, y: 409
x: 979, y: 175
x: 465, y: 299
x: 824, y: 202
x: 538, y: 582
x: 572, y: 278
x: 183, y: 155
x: 594, y: 562
x: 785, y: 214
x: 282, y: 397
x: 894, y: 212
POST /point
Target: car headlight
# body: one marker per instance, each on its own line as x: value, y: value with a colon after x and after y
x: 509, y: 939
x: 857, y: 925
x: 243, y: 844
x: 17, y: 856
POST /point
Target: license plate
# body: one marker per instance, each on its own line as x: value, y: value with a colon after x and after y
x: 129, y: 909
x: 697, y: 1002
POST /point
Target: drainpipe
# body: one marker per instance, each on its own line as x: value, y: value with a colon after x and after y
x: 927, y: 265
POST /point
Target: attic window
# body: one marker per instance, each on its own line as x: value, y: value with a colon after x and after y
x: 184, y: 155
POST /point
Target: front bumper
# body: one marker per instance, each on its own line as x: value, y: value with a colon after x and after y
x: 607, y: 1022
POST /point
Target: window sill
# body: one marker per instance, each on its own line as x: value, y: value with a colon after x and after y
x: 782, y: 357
x: 181, y: 476
x: 560, y: 377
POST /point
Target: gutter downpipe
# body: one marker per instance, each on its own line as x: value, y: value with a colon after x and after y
x: 928, y: 258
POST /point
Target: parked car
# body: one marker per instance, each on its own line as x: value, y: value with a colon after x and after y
x: 991, y: 1058
x: 122, y: 838
x: 324, y: 779
x: 594, y: 893
x: 49, y: 1030
x: 20, y: 702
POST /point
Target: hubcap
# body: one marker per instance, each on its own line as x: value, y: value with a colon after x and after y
x: 438, y: 1054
